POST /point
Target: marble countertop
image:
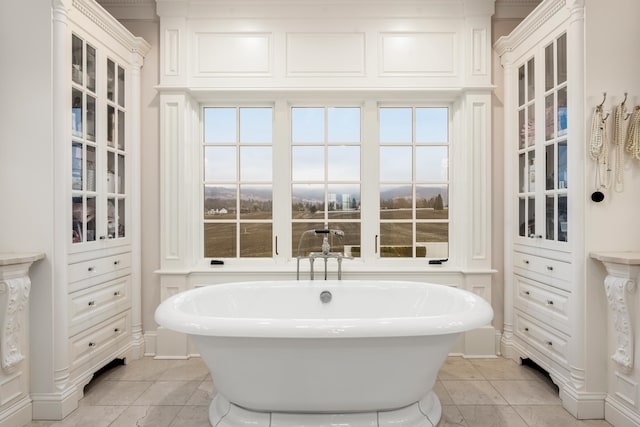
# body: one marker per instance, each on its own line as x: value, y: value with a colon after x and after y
x: 9, y: 258
x: 627, y: 258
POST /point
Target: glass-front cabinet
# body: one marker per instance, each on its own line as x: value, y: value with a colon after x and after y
x: 542, y: 144
x: 98, y: 147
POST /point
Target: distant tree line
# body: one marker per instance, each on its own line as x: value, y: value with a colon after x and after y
x: 435, y: 203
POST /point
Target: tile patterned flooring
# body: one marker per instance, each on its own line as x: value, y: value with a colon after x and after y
x: 176, y: 393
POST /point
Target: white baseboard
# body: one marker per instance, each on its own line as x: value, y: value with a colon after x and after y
x: 18, y: 414
x: 55, y: 406
x: 150, y: 343
x: 619, y: 415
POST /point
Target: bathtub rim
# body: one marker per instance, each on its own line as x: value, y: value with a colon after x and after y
x: 169, y: 315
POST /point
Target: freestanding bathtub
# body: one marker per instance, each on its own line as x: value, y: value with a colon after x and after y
x: 324, y: 353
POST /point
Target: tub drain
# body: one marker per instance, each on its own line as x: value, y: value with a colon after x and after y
x: 325, y: 296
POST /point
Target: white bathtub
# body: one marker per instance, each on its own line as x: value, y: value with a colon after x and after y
x: 279, y: 356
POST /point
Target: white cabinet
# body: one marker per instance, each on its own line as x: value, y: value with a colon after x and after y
x: 547, y: 316
x: 95, y: 293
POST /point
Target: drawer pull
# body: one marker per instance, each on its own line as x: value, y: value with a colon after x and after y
x: 116, y: 262
x: 116, y: 330
x: 91, y: 303
x: 550, y: 302
x: 117, y: 294
x: 103, y: 237
x: 526, y: 329
x: 91, y: 269
x: 92, y: 344
x: 526, y: 261
x: 550, y: 268
x: 527, y: 293
x: 549, y: 343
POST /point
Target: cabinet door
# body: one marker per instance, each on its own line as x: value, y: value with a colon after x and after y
x: 84, y: 144
x: 542, y: 183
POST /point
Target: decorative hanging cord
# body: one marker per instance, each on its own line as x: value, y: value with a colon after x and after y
x: 619, y: 117
x: 633, y: 134
x: 599, y: 147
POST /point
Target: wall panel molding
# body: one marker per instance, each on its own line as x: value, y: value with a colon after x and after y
x: 325, y: 54
x: 417, y: 53
x: 233, y: 54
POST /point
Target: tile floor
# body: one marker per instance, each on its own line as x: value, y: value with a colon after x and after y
x: 176, y: 393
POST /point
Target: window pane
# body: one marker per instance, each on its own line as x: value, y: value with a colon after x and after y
x: 343, y: 201
x: 307, y: 201
x: 350, y: 243
x: 311, y: 242
x: 396, y: 240
x: 432, y: 240
x: 220, y: 163
x: 396, y: 202
x: 219, y: 125
x: 256, y: 125
x: 219, y: 240
x: 256, y: 201
x: 307, y: 163
x: 395, y: 125
x: 344, y: 125
x: 432, y: 163
x: 344, y: 163
x: 432, y: 202
x: 432, y: 124
x: 395, y: 163
x: 307, y: 125
x: 256, y: 240
x: 255, y: 164
x: 219, y: 202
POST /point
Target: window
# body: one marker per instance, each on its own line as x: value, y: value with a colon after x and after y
x: 319, y: 178
x: 325, y: 176
x: 237, y: 182
x: 414, y: 182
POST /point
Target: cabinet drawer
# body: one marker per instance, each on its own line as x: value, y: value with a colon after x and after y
x: 96, y: 267
x: 547, y: 304
x: 556, y: 273
x: 547, y: 341
x: 93, y: 305
x: 98, y: 339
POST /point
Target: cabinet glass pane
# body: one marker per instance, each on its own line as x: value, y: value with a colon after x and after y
x: 562, y: 219
x: 77, y: 224
x: 111, y: 172
x: 562, y: 165
x: 562, y: 58
x: 523, y: 173
x: 91, y: 219
x: 548, y: 68
x: 121, y: 217
x: 91, y: 118
x: 562, y: 111
x: 121, y: 170
x: 121, y: 86
x: 77, y: 69
x: 550, y: 217
x: 121, y: 136
x: 76, y: 166
x: 76, y: 113
x: 531, y: 83
x: 521, y: 98
x: 522, y: 217
x: 549, y: 118
x: 91, y: 68
x: 549, y: 167
x: 531, y: 216
x: 111, y: 218
x: 531, y: 171
x: 111, y: 125
x: 531, y: 125
x: 111, y: 80
x: 522, y: 134
x: 91, y: 168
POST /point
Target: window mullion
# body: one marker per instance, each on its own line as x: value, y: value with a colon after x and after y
x: 370, y: 180
x: 282, y: 179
